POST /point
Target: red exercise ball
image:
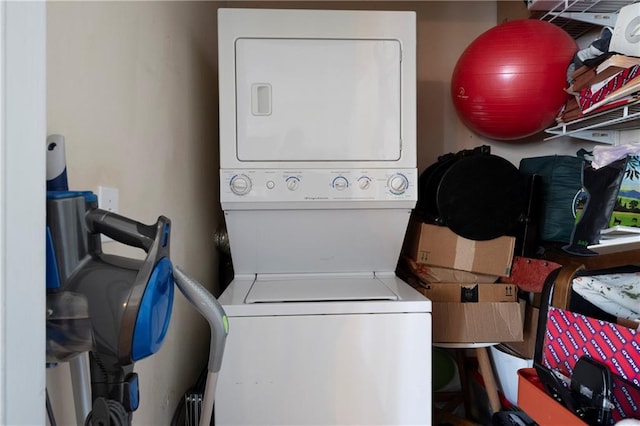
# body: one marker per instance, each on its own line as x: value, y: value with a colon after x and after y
x: 509, y: 83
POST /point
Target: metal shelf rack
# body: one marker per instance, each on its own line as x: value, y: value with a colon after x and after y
x: 578, y: 17
x: 603, y: 127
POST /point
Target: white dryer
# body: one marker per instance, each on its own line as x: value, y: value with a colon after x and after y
x: 318, y: 179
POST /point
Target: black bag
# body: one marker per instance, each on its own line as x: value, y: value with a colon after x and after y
x: 602, y: 187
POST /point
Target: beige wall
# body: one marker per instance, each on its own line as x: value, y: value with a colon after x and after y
x: 445, y: 29
x: 132, y: 86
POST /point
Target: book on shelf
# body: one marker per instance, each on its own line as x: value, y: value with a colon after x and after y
x: 571, y: 110
x: 616, y: 245
x: 619, y: 231
x: 617, y: 61
x: 580, y: 78
x: 588, y: 75
x: 624, y: 83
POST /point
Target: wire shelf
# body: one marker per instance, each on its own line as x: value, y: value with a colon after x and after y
x: 579, y: 17
x: 600, y: 125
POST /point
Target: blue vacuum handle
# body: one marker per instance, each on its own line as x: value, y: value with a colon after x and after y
x: 125, y: 230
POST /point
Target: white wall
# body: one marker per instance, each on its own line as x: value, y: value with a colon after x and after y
x: 133, y: 88
x: 22, y: 216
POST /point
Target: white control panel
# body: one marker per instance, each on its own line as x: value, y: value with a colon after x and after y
x: 318, y: 185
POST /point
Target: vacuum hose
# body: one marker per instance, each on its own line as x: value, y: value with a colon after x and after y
x: 209, y: 307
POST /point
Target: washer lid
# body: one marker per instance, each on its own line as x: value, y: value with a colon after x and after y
x: 318, y: 288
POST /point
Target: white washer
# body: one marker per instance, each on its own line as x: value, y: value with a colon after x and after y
x: 318, y: 179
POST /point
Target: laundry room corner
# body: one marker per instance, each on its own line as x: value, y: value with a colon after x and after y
x: 296, y: 135
x: 132, y: 86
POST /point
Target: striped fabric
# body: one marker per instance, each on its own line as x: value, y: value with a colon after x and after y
x: 569, y: 336
x: 588, y: 98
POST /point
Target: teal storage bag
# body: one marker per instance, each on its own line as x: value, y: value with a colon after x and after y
x: 561, y: 183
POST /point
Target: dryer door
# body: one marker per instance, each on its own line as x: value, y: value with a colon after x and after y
x: 318, y: 99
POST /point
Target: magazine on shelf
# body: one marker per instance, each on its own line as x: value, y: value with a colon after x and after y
x: 619, y: 231
x: 617, y: 239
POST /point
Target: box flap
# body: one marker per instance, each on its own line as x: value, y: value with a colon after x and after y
x: 439, y: 246
x: 526, y: 348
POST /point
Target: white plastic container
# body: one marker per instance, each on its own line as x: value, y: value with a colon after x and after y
x: 505, y: 367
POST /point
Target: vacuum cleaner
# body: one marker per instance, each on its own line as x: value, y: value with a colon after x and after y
x: 116, y: 308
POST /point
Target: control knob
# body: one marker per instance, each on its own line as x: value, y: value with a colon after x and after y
x: 364, y: 183
x: 398, y: 183
x: 240, y: 184
x: 340, y: 183
x: 292, y: 183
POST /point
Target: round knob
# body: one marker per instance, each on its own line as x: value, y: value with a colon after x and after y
x: 240, y: 184
x: 364, y: 183
x: 293, y: 183
x: 340, y: 183
x: 398, y: 184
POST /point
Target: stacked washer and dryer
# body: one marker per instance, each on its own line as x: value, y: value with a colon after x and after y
x: 318, y: 180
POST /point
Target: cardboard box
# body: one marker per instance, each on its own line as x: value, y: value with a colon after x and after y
x: 439, y: 246
x: 527, y: 347
x: 469, y: 293
x: 543, y: 409
x: 482, y: 322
